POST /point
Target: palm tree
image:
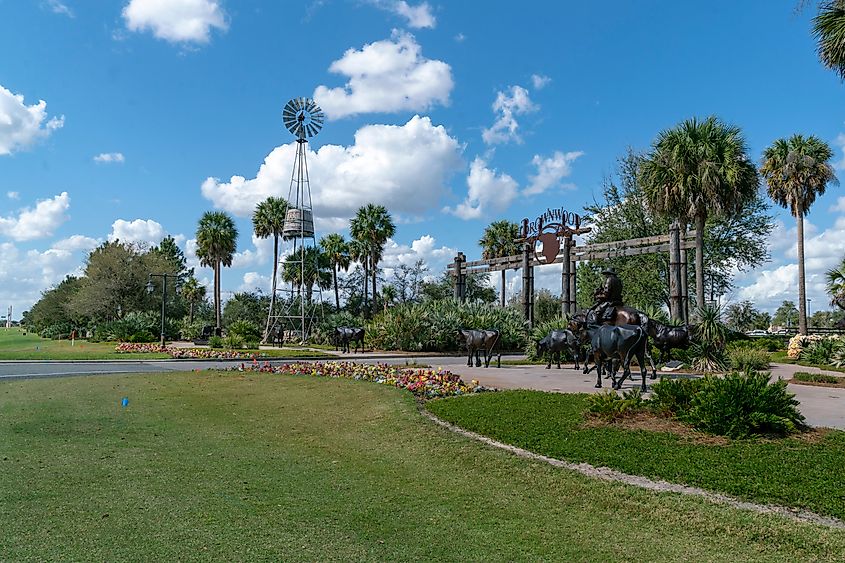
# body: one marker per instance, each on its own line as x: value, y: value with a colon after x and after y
x: 193, y: 293
x: 829, y: 31
x: 269, y: 220
x: 388, y: 295
x: 359, y: 252
x: 372, y: 226
x: 336, y: 248
x: 498, y: 241
x: 798, y: 171
x: 696, y: 170
x: 836, y: 285
x: 315, y: 268
x: 217, y: 241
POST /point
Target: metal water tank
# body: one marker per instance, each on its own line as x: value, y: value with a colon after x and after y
x: 299, y: 223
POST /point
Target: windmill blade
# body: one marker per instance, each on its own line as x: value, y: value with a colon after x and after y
x: 288, y: 112
x: 311, y: 130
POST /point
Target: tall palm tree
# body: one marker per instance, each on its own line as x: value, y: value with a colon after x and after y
x: 829, y: 31
x: 836, y: 285
x: 388, y: 295
x: 217, y: 241
x: 798, y: 171
x: 696, y: 170
x: 359, y: 252
x: 193, y: 293
x: 337, y: 249
x: 316, y: 271
x: 372, y: 226
x: 268, y: 220
x: 498, y: 241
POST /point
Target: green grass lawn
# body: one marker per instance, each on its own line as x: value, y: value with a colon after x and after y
x: 14, y: 345
x: 791, y: 472
x: 223, y: 466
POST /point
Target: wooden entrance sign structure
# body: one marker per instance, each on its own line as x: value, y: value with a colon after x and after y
x: 549, y: 239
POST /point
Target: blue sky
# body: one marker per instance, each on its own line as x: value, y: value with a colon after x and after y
x: 129, y: 119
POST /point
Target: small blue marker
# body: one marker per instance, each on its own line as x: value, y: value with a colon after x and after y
x: 124, y: 401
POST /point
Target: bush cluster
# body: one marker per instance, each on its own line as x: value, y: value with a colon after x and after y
x: 748, y: 358
x: 609, y: 405
x: 432, y: 326
x: 57, y: 331
x: 738, y: 405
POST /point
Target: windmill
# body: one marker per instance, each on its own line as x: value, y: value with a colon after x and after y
x: 304, y: 119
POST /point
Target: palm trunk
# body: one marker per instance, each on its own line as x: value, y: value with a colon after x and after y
x: 217, y: 292
x: 502, y: 298
x: 334, y: 281
x: 699, y: 260
x: 273, y: 288
x: 366, y: 284
x: 802, y: 290
x: 191, y: 312
x: 374, y: 274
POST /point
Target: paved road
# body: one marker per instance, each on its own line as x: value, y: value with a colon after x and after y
x: 822, y: 406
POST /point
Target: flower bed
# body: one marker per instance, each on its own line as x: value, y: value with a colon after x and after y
x: 798, y: 342
x: 427, y: 383
x: 186, y: 353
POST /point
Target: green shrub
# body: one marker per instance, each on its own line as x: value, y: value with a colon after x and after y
x: 143, y: 336
x: 838, y: 358
x: 246, y: 330
x: 539, y: 332
x: 609, y: 405
x: 433, y: 326
x: 739, y: 405
x: 743, y: 358
x: 674, y: 396
x: 707, y: 353
x: 770, y: 343
x: 817, y: 377
x: 57, y: 331
x: 190, y: 330
x: 215, y: 342
x: 252, y: 344
x: 233, y: 341
x: 820, y: 352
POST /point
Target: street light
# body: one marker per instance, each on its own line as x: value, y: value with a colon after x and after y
x: 151, y: 289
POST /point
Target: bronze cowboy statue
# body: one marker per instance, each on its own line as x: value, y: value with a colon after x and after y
x: 608, y: 297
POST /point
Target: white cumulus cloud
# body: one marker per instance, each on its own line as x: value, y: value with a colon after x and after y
x: 58, y: 7
x: 540, y: 81
x: 176, y: 21
x: 487, y: 192
x: 550, y: 171
x: 21, y: 125
x: 403, y: 167
x: 107, y: 157
x: 417, y: 16
x: 76, y: 242
x: 137, y: 231
x: 38, y: 222
x: 386, y: 76
x: 507, y: 106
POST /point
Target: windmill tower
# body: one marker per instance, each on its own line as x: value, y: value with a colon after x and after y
x: 302, y: 298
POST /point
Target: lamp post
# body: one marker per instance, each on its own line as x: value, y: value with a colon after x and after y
x: 809, y: 315
x: 151, y: 289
